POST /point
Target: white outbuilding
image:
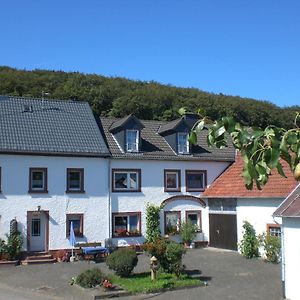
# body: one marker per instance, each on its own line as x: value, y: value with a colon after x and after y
x: 289, y: 211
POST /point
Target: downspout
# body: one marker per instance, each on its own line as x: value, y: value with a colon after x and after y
x: 282, y: 263
x: 282, y: 256
x: 109, y: 199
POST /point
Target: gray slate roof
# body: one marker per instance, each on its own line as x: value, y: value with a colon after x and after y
x: 53, y: 127
x: 121, y: 122
x: 290, y: 207
x: 154, y: 146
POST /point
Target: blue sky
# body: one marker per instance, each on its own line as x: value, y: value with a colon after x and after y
x: 249, y: 48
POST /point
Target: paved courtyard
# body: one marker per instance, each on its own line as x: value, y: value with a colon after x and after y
x: 229, y: 276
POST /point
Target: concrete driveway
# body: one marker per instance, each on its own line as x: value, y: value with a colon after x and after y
x: 229, y: 276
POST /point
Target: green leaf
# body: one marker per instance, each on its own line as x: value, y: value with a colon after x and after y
x: 193, y: 137
x: 182, y: 111
x: 272, y: 157
x: 247, y: 177
x: 219, y: 131
x: 260, y: 169
x: 280, y: 170
x: 200, y: 126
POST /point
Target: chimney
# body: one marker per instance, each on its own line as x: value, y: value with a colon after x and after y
x: 28, y: 108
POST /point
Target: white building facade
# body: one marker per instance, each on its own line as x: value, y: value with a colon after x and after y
x: 289, y: 212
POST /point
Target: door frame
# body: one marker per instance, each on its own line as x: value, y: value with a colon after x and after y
x: 30, y: 214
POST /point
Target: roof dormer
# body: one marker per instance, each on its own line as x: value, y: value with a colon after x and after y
x: 127, y: 132
x: 176, y: 133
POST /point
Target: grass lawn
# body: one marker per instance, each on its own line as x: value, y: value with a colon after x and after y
x: 141, y: 283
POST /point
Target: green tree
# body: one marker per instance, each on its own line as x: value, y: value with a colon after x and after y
x: 152, y: 223
x: 261, y: 149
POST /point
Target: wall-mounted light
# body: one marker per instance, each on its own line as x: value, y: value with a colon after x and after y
x: 39, y: 208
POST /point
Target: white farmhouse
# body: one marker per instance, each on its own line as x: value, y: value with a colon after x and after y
x: 289, y: 211
x: 153, y: 162
x: 54, y: 170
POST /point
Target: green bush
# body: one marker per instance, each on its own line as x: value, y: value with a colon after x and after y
x: 173, y: 255
x: 122, y: 261
x: 188, y: 231
x: 152, y: 223
x: 89, y: 278
x: 12, y: 247
x: 249, y: 244
x: 169, y: 254
x: 272, y: 247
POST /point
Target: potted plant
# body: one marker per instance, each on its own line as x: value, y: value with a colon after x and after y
x: 187, y: 232
x: 10, y: 251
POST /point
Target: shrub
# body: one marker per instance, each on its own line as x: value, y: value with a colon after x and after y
x: 3, y: 248
x: 152, y: 223
x: 122, y: 261
x: 173, y: 255
x: 169, y: 254
x: 89, y: 278
x: 12, y: 247
x: 188, y: 231
x: 249, y: 244
x: 272, y: 247
x: 157, y: 249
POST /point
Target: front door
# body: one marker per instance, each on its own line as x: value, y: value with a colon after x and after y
x: 223, y: 231
x: 37, y: 231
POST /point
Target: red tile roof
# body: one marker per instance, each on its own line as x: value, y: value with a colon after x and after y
x: 291, y: 205
x: 231, y: 184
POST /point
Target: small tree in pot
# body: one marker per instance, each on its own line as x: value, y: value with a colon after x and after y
x: 187, y: 232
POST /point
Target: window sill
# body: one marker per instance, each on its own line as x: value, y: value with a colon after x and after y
x: 126, y: 191
x: 76, y: 235
x: 75, y: 192
x: 172, y: 190
x: 38, y: 192
x: 126, y: 236
x: 195, y: 190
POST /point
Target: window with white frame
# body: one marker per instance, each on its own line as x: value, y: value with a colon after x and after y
x: 126, y: 224
x: 274, y: 230
x: 183, y: 146
x: 172, y: 222
x: 38, y: 180
x: 75, y: 180
x: 77, y: 220
x: 132, y: 140
x: 126, y: 180
x: 172, y: 180
x: 194, y: 216
x: 195, y: 180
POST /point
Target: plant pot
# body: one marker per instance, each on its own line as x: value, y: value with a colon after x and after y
x: 187, y: 244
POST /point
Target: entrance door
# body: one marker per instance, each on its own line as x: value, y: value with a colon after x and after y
x: 223, y: 231
x: 37, y: 231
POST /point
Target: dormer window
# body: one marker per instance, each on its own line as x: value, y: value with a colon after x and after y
x: 183, y: 143
x: 132, y: 140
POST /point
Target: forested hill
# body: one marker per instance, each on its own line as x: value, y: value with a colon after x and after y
x: 113, y: 96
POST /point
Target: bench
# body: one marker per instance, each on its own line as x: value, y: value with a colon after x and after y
x: 91, y: 251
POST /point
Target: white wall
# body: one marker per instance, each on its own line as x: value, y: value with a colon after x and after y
x: 15, y: 200
x: 152, y: 178
x: 291, y: 259
x: 256, y: 211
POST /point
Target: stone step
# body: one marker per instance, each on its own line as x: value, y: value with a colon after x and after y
x: 39, y: 257
x: 37, y: 261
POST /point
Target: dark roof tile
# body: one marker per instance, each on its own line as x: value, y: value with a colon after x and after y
x: 154, y: 146
x: 29, y: 125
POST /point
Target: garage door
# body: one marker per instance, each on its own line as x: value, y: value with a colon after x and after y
x: 223, y: 231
